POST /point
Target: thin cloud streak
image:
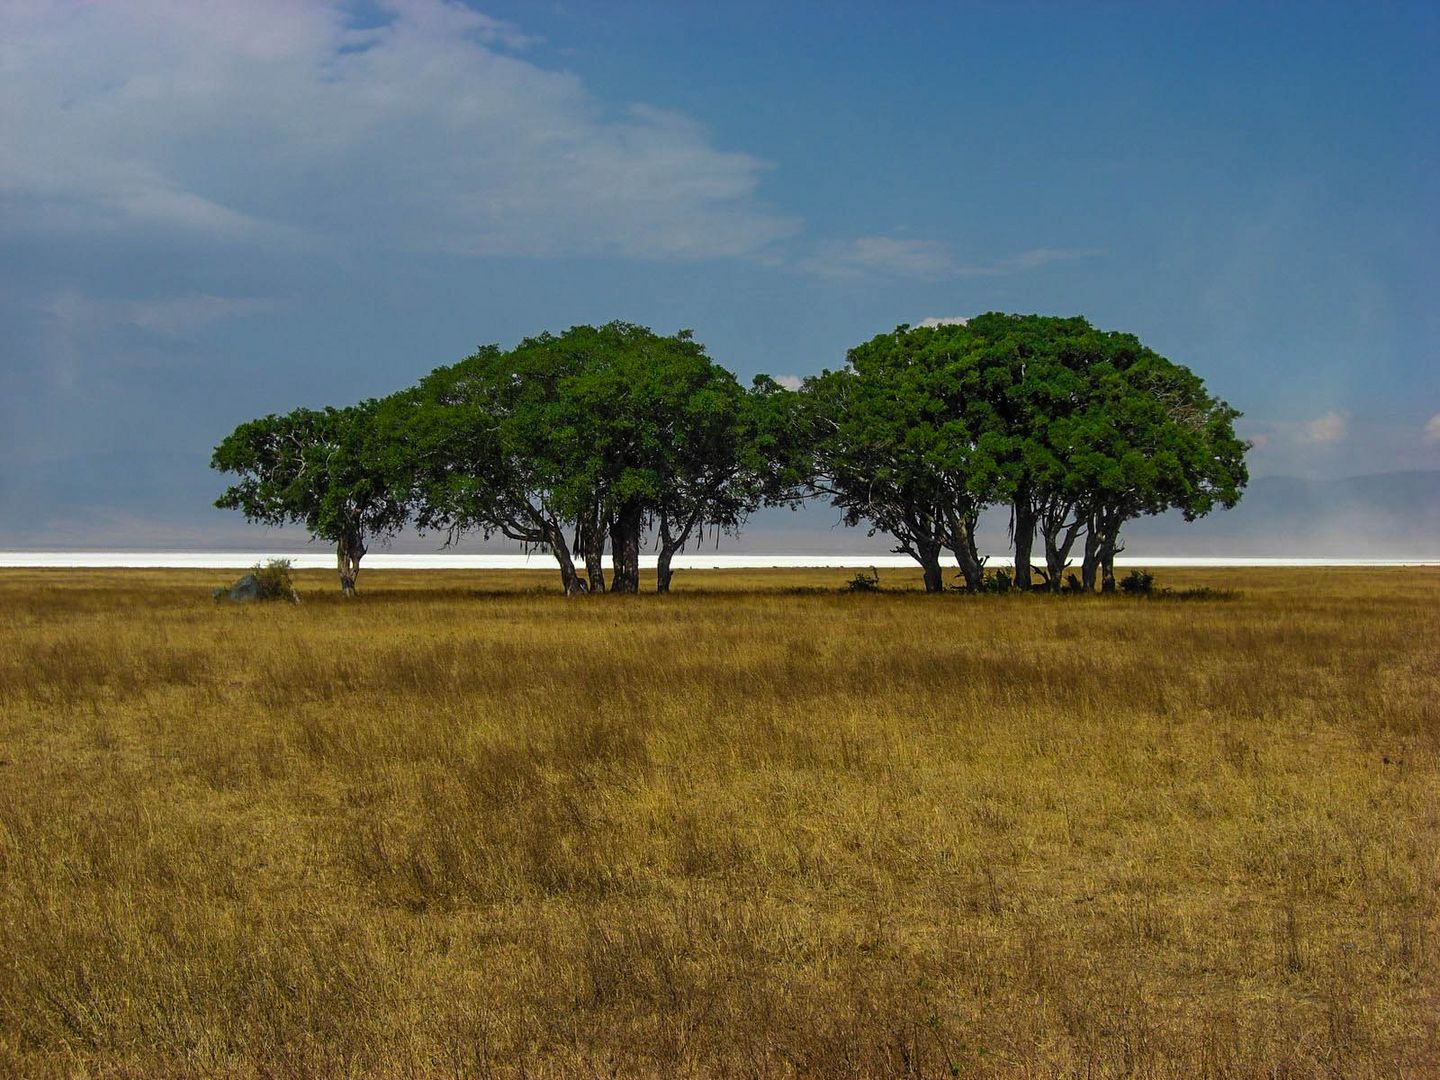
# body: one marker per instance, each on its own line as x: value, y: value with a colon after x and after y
x: 921, y: 260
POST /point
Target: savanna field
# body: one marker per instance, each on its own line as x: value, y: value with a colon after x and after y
x: 464, y: 827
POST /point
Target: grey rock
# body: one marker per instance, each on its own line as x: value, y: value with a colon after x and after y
x: 244, y: 590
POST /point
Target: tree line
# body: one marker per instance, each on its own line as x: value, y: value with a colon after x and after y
x: 616, y: 437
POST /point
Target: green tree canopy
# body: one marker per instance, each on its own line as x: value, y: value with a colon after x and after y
x: 594, y: 435
x: 1076, y: 429
x: 321, y: 468
x: 1037, y: 373
x: 906, y: 440
x: 1149, y: 439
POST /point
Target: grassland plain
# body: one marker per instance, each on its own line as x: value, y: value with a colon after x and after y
x: 464, y: 827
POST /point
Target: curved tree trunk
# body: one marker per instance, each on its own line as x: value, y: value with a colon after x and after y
x: 921, y: 536
x: 962, y: 546
x: 663, y: 571
x: 569, y: 580
x: 669, y: 545
x: 625, y: 548
x: 348, y: 553
x: 930, y: 564
x: 1059, y: 536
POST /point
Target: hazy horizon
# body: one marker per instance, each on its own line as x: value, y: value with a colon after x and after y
x: 1391, y: 516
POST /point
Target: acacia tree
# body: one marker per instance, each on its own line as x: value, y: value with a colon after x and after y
x: 481, y: 452
x: 732, y: 452
x: 1078, y: 430
x: 1149, y: 439
x: 1038, y: 377
x: 904, y: 439
x: 634, y: 409
x: 324, y: 469
x: 588, y: 437
x: 1027, y: 383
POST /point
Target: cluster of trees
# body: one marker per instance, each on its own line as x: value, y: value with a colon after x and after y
x: 617, y: 437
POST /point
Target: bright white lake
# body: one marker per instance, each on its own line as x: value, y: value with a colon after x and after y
x: 384, y: 560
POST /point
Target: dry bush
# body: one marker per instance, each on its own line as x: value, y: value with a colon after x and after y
x: 762, y: 827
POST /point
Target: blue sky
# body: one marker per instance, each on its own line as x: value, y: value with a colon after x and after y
x: 212, y: 211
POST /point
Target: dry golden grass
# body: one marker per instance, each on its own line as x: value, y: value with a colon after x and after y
x: 463, y: 827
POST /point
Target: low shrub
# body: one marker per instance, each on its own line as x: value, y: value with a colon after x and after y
x: 1138, y: 583
x: 863, y: 582
x: 275, y: 581
x: 998, y: 581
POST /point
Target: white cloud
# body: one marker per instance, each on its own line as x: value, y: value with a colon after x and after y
x: 1332, y: 427
x: 923, y: 259
x: 943, y: 320
x: 277, y: 118
x: 790, y: 382
x: 1432, y: 429
x: 882, y: 255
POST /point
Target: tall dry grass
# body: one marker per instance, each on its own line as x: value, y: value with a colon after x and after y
x: 463, y: 827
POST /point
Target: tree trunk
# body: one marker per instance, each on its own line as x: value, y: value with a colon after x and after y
x: 930, y: 564
x: 668, y: 546
x: 569, y: 579
x: 962, y: 546
x: 1059, y: 538
x: 663, y: 570
x: 590, y: 544
x: 1057, y: 554
x: 1091, y: 565
x: 1022, y: 528
x: 348, y: 553
x: 625, y: 548
x: 1107, y: 543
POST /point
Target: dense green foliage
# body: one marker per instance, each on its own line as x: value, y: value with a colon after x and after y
x: 325, y: 469
x: 615, y: 436
x: 1075, y: 429
x: 597, y: 434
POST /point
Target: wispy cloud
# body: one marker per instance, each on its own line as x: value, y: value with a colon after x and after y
x: 234, y: 121
x: 1432, y: 429
x: 921, y: 259
x: 170, y: 316
x: 885, y: 255
x: 790, y: 382
x: 1025, y: 260
x: 1329, y: 428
